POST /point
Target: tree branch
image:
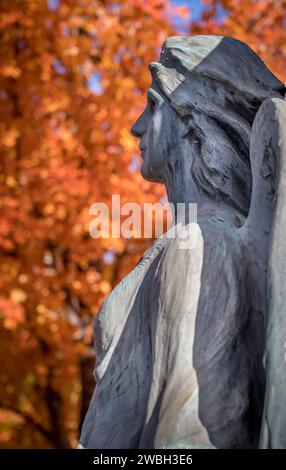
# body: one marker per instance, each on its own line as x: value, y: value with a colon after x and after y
x: 29, y: 419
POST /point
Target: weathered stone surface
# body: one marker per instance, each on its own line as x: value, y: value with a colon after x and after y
x: 180, y: 341
x: 269, y: 147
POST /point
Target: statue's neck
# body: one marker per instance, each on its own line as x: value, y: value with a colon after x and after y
x: 187, y: 202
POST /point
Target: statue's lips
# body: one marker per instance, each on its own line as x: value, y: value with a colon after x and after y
x: 142, y: 149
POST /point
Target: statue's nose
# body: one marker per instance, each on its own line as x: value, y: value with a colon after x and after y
x: 135, y: 131
x: 138, y: 128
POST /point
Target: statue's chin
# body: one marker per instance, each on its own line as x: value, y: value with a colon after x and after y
x: 150, y: 174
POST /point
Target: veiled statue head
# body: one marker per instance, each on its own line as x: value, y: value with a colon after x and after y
x: 195, y: 130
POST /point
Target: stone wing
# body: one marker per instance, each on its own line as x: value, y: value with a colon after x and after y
x: 268, y: 157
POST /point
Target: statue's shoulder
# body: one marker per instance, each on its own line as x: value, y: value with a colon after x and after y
x: 211, y: 249
x: 187, y: 240
x: 216, y: 231
x: 224, y: 252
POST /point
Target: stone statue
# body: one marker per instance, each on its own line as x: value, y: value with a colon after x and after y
x: 190, y: 346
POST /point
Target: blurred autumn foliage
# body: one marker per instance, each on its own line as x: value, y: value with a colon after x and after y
x: 73, y: 78
x: 72, y: 81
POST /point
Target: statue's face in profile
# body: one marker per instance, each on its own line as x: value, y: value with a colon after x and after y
x: 159, y: 129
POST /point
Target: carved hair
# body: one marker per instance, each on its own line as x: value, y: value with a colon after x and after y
x: 217, y: 84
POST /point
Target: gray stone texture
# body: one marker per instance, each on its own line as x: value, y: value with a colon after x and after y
x: 190, y: 346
